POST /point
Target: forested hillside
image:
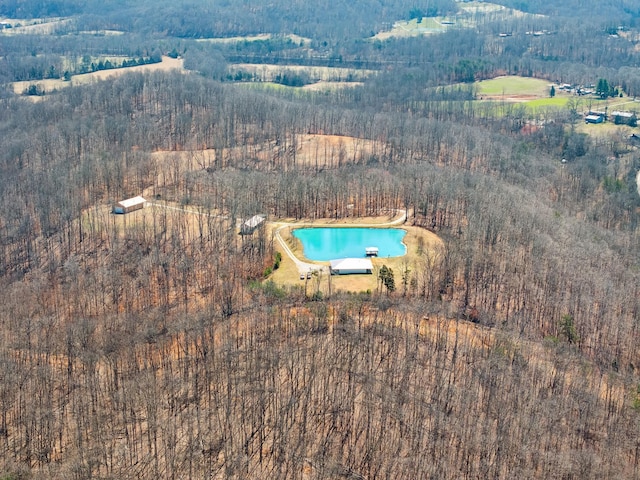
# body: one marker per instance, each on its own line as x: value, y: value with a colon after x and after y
x: 163, y: 344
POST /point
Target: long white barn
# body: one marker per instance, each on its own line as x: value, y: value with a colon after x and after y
x: 345, y: 266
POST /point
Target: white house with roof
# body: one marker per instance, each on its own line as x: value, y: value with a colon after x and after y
x: 129, y: 205
x: 623, y: 118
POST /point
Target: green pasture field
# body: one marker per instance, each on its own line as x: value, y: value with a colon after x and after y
x: 541, y: 103
x: 426, y: 23
x: 467, y: 16
x: 268, y: 86
x: 513, y: 85
x: 411, y: 28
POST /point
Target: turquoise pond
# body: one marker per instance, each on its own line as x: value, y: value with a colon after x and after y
x: 323, y: 244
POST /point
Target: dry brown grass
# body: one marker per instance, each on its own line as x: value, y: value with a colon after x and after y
x: 52, y: 85
x: 317, y: 151
x: 323, y: 86
x: 36, y: 26
x: 263, y: 37
x: 268, y: 72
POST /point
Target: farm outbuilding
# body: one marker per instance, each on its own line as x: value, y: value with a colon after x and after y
x: 594, y: 119
x: 624, y: 118
x: 129, y: 205
x: 248, y: 227
x: 346, y: 266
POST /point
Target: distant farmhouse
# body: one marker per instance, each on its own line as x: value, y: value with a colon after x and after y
x: 617, y: 117
x: 248, y: 227
x: 129, y: 205
x: 624, y: 118
x: 595, y: 116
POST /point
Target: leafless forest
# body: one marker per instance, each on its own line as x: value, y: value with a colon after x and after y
x: 150, y: 345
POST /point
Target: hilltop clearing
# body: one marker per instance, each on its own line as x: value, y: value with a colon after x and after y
x: 469, y: 15
x: 51, y: 85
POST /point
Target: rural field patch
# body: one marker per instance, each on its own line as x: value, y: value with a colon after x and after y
x: 35, y: 26
x: 51, y: 85
x: 263, y: 37
x: 411, y: 28
x: 269, y: 72
x: 514, y: 85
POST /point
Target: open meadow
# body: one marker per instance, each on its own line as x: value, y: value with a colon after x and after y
x: 413, y: 27
x: 513, y: 88
x: 469, y: 14
x: 52, y: 85
x: 263, y: 37
x: 33, y: 26
x: 269, y: 73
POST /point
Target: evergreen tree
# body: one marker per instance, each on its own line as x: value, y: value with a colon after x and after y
x: 386, y: 278
x: 603, y: 89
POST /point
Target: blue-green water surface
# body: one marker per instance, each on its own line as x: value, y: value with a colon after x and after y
x: 323, y: 244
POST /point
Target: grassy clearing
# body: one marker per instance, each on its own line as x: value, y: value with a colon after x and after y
x: 468, y: 16
x: 268, y: 86
x: 313, y: 151
x: 412, y: 28
x: 624, y: 104
x: 102, y: 33
x: 484, y: 7
x: 36, y: 26
x: 473, y: 9
x: 263, y: 37
x: 269, y: 72
x: 542, y: 105
x: 555, y: 102
x: 323, y: 86
x: 513, y: 85
x: 52, y: 85
x: 605, y: 130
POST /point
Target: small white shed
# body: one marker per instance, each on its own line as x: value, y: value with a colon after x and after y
x: 129, y: 205
x: 248, y: 227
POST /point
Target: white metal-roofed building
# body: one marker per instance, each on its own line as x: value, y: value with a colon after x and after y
x: 129, y: 205
x: 248, y: 227
x: 345, y: 266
